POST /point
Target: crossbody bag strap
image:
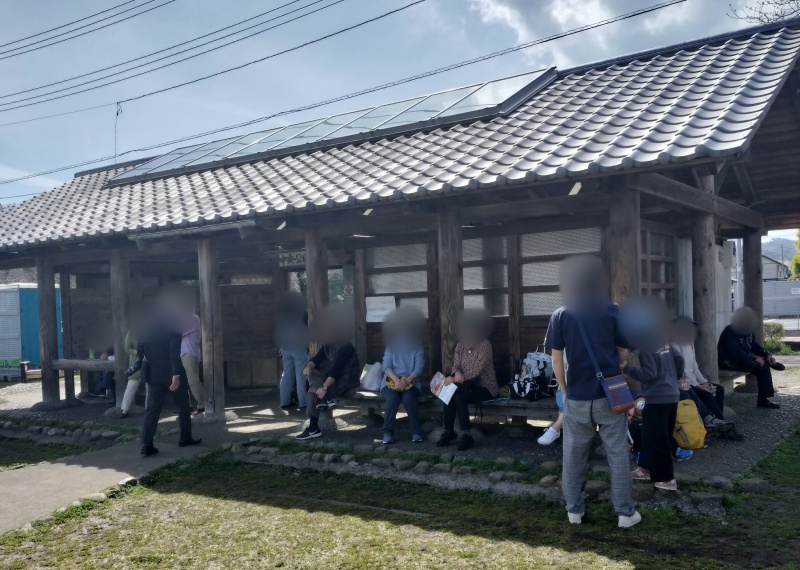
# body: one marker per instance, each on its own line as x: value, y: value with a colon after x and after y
x: 588, y: 346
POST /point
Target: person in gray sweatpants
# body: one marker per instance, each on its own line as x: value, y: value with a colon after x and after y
x: 584, y: 290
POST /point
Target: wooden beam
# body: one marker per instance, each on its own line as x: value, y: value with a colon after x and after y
x: 580, y: 203
x: 675, y: 192
x: 316, y: 277
x: 48, y: 328
x: 752, y: 275
x: 360, y: 303
x: 451, y: 283
x: 211, y: 331
x: 66, y: 332
x: 745, y: 184
x: 434, y: 331
x: 120, y: 279
x: 623, y: 246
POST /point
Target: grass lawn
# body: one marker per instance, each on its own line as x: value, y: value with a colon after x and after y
x: 220, y: 514
x: 16, y: 452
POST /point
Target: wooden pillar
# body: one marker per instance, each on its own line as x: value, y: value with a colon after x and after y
x: 451, y: 283
x: 434, y: 332
x: 704, y: 284
x: 514, y: 301
x: 211, y: 331
x: 360, y: 303
x: 752, y: 270
x: 316, y: 278
x: 66, y: 332
x: 48, y: 328
x: 623, y: 247
x: 120, y: 276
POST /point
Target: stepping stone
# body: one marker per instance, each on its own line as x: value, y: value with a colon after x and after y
x: 505, y: 461
x: 687, y: 479
x: 237, y: 448
x: 720, y: 483
x: 548, y: 481
x: 110, y: 435
x: 52, y: 431
x: 550, y: 466
x: 225, y: 446
x: 596, y: 487
x: 95, y: 435
x: 347, y: 458
x: 317, y: 456
x: 382, y: 462
x: 253, y: 450
x: 423, y: 468
x: 403, y: 464
x: 698, y: 497
x: 756, y: 486
x: 35, y: 429
x: 269, y: 451
x: 496, y: 476
x: 512, y: 476
x: 331, y: 458
x: 442, y: 468
x: 95, y: 497
x: 465, y: 470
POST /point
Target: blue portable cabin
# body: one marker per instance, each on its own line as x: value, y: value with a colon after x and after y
x: 19, y: 327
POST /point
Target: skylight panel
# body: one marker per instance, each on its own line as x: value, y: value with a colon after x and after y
x: 156, y: 162
x: 371, y: 120
x: 490, y: 94
x: 429, y: 107
x: 276, y: 138
x: 322, y: 129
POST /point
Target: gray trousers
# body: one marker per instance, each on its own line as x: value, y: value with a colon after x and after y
x: 581, y: 419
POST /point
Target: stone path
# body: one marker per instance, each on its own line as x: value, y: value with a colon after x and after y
x: 36, y: 491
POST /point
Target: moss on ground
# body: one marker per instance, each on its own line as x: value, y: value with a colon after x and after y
x: 18, y: 452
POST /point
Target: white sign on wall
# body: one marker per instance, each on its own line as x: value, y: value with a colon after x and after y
x: 795, y: 291
x: 378, y: 308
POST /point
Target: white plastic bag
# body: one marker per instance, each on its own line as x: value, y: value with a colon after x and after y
x: 372, y: 377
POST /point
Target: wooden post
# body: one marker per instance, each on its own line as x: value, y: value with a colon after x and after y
x: 66, y: 332
x: 48, y: 328
x: 120, y: 276
x: 514, y: 301
x: 704, y: 285
x: 211, y: 331
x: 623, y: 247
x: 360, y: 303
x: 434, y: 332
x: 752, y: 269
x: 451, y: 283
x: 316, y: 278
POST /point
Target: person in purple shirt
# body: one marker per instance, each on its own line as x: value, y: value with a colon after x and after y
x: 191, y: 357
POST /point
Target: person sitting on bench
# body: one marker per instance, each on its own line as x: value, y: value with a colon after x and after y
x: 473, y: 372
x: 403, y: 361
x: 737, y: 349
x: 333, y: 372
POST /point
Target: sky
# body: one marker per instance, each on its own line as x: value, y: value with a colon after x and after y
x: 429, y: 35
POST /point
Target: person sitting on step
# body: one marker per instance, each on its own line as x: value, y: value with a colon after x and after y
x: 738, y: 349
x: 403, y: 362
x: 333, y: 372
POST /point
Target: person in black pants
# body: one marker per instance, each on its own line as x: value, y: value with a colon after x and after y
x: 738, y: 349
x: 160, y: 360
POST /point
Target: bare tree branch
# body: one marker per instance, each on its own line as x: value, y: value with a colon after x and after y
x: 767, y: 11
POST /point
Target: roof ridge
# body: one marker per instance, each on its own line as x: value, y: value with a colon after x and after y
x: 675, y: 48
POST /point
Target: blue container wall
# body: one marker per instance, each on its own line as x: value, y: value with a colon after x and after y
x: 29, y: 325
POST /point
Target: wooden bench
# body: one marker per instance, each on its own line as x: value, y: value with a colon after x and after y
x: 518, y: 411
x: 27, y: 373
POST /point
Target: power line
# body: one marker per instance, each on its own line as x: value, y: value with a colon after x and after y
x: 86, y: 32
x: 67, y: 24
x: 171, y: 55
x: 430, y: 73
x: 158, y: 51
x: 228, y: 70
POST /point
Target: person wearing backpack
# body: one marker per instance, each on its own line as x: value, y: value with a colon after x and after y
x: 584, y: 288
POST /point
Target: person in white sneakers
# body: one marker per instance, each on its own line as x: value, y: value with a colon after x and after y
x: 552, y: 433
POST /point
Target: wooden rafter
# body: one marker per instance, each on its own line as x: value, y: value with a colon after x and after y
x: 745, y: 184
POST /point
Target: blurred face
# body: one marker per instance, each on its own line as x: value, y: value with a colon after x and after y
x: 583, y: 279
x: 644, y: 322
x: 684, y: 332
x: 744, y: 320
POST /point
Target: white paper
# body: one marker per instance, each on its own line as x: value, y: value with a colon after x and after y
x: 441, y: 390
x: 379, y: 307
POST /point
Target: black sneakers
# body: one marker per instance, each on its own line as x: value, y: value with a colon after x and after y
x: 148, y: 450
x: 189, y: 442
x: 447, y: 438
x: 309, y: 433
x: 768, y: 404
x: 464, y: 442
x: 326, y: 404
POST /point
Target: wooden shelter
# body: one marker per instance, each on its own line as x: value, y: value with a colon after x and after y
x: 650, y: 161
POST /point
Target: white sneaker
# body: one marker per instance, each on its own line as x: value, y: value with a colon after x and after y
x: 549, y: 436
x: 628, y: 522
x: 575, y: 518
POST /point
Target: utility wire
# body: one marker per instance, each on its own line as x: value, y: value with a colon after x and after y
x: 83, y: 33
x: 158, y: 51
x: 172, y: 55
x: 351, y: 95
x: 67, y: 24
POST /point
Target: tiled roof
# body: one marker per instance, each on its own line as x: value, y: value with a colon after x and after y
x: 672, y: 107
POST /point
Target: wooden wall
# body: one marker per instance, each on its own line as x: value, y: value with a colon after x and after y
x: 90, y: 315
x: 248, y: 337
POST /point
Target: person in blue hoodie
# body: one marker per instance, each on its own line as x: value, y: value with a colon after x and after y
x: 644, y: 323
x: 403, y: 362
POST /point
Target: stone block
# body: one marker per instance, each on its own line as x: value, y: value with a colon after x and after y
x: 756, y: 486
x: 253, y: 450
x: 52, y: 431
x: 404, y: 464
x: 512, y: 476
x: 720, y: 483
x: 95, y: 435
x: 496, y: 476
x: 423, y: 468
x: 331, y: 458
x: 35, y: 429
x: 269, y: 451
x: 596, y: 487
x: 442, y: 467
x: 317, y: 456
x: 237, y: 448
x: 505, y: 461
x: 548, y: 481
x: 95, y: 497
x: 382, y: 462
x: 110, y: 435
x: 465, y: 470
x: 347, y: 458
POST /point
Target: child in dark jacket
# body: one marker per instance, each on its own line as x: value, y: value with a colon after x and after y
x: 658, y: 373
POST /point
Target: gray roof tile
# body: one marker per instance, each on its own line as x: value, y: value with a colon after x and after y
x: 673, y: 107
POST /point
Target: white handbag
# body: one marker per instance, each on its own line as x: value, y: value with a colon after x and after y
x: 372, y: 377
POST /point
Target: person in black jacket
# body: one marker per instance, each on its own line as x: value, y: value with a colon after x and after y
x: 160, y: 360
x: 738, y: 349
x: 333, y: 371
